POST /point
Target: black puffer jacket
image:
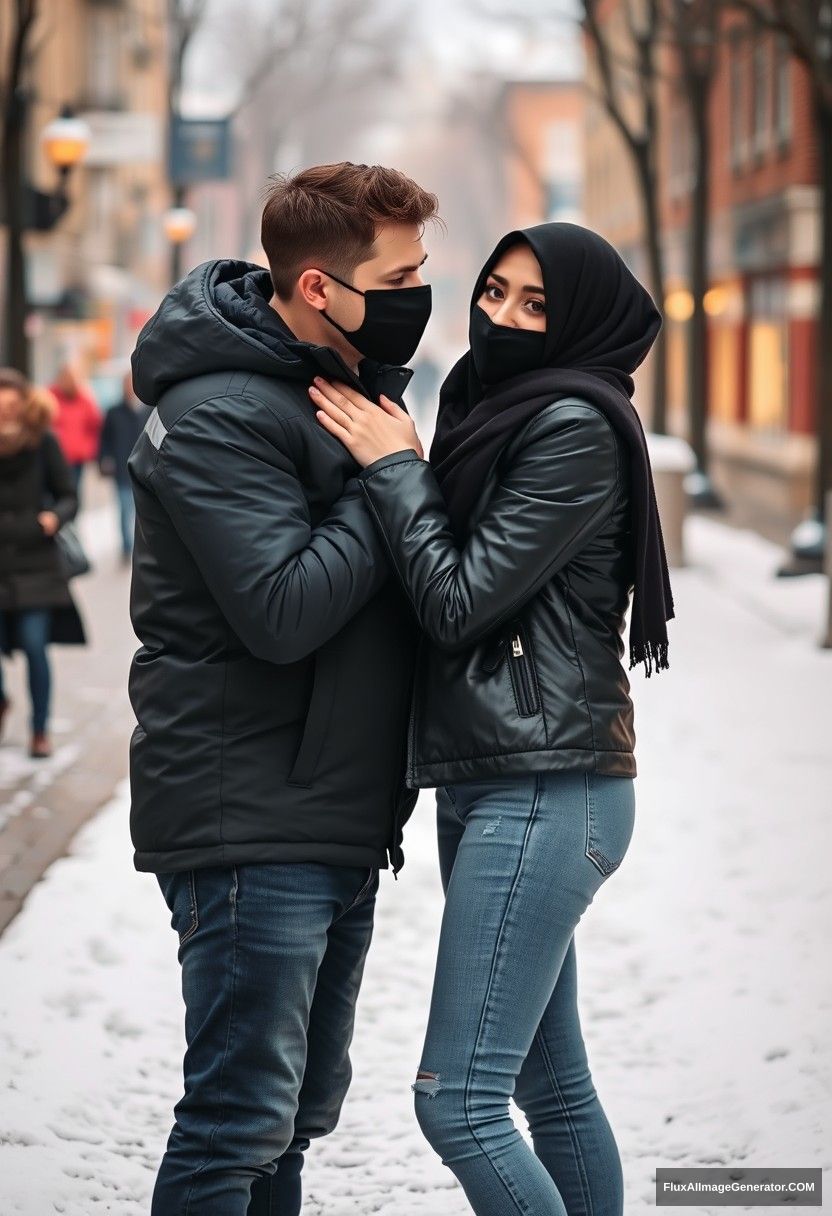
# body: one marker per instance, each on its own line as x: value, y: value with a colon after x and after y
x: 520, y: 669
x: 273, y: 682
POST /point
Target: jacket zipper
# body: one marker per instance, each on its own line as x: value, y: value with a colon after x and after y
x: 523, y: 675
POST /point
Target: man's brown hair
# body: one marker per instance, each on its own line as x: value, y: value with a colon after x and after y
x: 327, y: 217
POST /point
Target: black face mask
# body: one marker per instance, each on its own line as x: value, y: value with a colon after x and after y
x: 394, y: 321
x: 501, y: 351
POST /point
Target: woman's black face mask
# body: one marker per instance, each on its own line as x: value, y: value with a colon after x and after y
x: 501, y: 351
x: 394, y: 321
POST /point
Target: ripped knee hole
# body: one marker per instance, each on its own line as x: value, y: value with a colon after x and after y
x: 426, y: 1083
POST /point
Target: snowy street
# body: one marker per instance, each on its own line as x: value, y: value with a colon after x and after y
x: 704, y: 962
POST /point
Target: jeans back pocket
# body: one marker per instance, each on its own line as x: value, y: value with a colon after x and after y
x: 610, y: 819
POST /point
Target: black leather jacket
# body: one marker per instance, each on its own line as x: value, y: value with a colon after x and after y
x: 520, y: 667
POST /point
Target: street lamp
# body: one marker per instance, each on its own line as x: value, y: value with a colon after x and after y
x: 65, y: 141
x: 179, y: 225
x: 23, y: 208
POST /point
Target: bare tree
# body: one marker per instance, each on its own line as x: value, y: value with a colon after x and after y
x: 693, y: 28
x: 310, y: 80
x: 628, y: 78
x: 23, y: 15
x: 807, y: 25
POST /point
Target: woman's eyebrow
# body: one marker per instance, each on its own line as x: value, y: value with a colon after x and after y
x: 504, y: 283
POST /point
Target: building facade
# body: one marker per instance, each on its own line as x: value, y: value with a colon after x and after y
x: 94, y: 277
x: 763, y: 255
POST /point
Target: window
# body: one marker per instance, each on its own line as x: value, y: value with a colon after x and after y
x: 768, y: 355
x: 782, y: 91
x: 564, y: 169
x: 762, y: 125
x: 104, y: 88
x: 737, y: 104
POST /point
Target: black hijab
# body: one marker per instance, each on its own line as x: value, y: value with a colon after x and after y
x: 600, y: 324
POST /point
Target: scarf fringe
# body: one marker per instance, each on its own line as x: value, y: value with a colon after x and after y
x: 650, y: 654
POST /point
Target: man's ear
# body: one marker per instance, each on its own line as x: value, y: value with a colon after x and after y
x: 312, y: 288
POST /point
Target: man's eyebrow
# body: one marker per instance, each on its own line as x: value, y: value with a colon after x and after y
x: 404, y: 269
x: 504, y: 283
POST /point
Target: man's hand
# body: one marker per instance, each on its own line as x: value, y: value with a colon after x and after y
x: 367, y: 430
x: 49, y: 521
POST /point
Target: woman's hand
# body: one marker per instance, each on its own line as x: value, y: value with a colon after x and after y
x: 49, y: 521
x: 367, y: 430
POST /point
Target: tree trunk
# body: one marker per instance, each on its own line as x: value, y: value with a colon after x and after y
x: 697, y: 365
x: 823, y: 395
x: 655, y: 263
x: 16, y: 346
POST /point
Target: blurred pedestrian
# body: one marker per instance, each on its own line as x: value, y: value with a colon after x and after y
x: 37, y: 497
x: 77, y: 422
x: 122, y: 426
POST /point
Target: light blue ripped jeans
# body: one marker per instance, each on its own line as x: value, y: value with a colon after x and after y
x: 521, y: 859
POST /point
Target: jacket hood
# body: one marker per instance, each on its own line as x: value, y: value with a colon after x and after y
x: 218, y: 318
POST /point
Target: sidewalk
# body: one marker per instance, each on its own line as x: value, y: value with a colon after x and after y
x: 44, y: 802
x: 704, y: 983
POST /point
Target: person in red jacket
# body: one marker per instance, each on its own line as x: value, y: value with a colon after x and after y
x: 78, y: 421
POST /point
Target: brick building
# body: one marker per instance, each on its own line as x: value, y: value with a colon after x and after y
x: 543, y: 123
x: 763, y: 258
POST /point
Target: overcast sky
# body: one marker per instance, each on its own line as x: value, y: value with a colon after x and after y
x: 536, y: 38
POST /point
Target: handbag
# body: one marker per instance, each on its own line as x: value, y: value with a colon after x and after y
x: 71, y: 552
x: 73, y: 556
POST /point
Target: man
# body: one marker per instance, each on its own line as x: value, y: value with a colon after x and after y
x: 272, y: 688
x: 123, y: 424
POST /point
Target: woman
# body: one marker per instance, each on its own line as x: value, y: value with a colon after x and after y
x: 519, y: 543
x: 37, y: 497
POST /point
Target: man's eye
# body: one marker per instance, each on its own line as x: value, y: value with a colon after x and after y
x: 396, y: 282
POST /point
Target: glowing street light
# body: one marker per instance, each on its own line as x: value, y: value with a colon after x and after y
x: 179, y: 224
x: 65, y: 141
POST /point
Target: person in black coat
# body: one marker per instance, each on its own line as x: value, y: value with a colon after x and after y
x: 122, y: 426
x: 518, y: 542
x: 265, y: 609
x: 36, y: 606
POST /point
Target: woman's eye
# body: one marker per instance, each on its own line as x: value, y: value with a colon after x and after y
x: 493, y: 292
x: 537, y: 307
x: 396, y: 282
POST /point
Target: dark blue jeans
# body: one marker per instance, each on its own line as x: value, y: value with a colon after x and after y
x: 521, y: 859
x: 272, y: 958
x: 33, y: 627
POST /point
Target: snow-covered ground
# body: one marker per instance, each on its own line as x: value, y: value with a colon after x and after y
x: 704, y: 982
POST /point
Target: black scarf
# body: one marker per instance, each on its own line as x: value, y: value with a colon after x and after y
x: 600, y: 324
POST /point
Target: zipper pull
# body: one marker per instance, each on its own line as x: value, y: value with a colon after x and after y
x: 516, y: 646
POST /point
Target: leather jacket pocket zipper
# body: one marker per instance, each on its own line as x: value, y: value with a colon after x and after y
x: 522, y: 673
